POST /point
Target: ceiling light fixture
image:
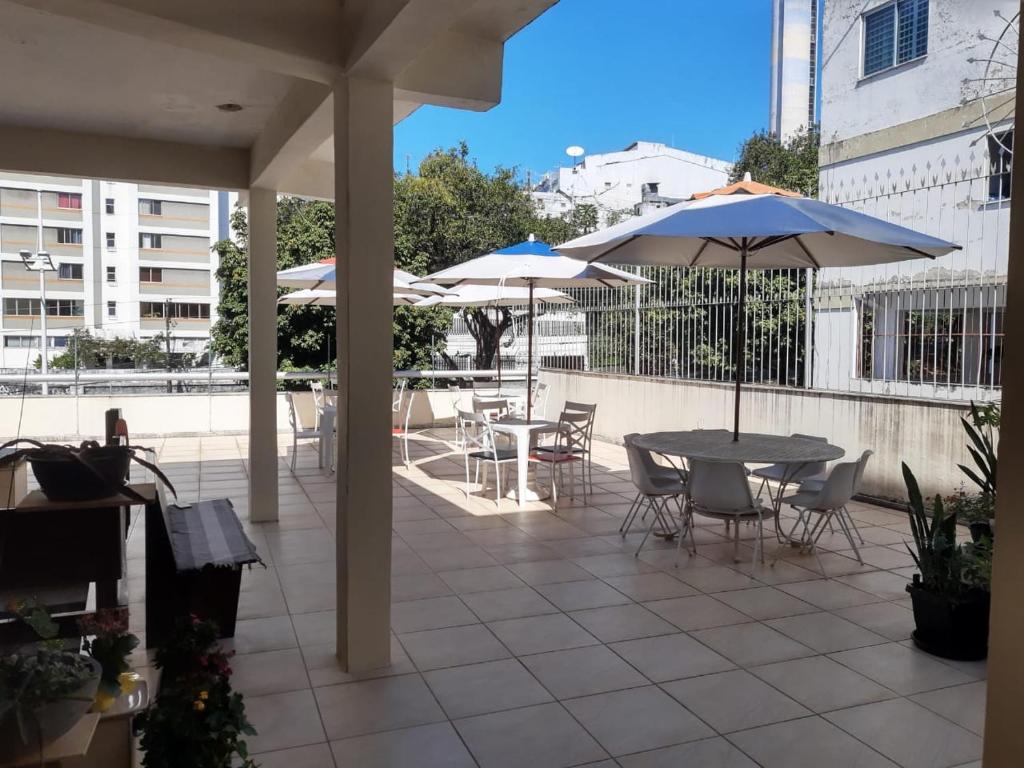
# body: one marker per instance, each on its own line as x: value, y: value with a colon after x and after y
x: 230, y: 107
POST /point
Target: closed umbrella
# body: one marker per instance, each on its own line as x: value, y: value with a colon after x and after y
x: 753, y: 226
x: 532, y: 264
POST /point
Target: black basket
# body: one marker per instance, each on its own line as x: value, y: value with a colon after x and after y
x: 65, y: 478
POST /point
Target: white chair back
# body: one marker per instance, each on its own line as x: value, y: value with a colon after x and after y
x: 719, y: 487
x: 397, y: 394
x: 539, y: 402
x: 492, y: 409
x: 862, y: 464
x: 838, y: 488
x: 640, y: 466
x: 476, y: 429
x: 301, y: 411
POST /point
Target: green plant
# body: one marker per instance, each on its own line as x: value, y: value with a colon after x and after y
x: 40, y: 673
x: 984, y: 420
x: 943, y: 565
x: 197, y: 721
x: 111, y: 644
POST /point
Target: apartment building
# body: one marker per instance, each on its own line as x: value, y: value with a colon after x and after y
x: 794, y: 66
x: 130, y: 260
x: 917, y: 116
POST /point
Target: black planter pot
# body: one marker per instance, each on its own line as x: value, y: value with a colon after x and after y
x: 953, y: 628
x: 64, y: 478
x: 981, y: 529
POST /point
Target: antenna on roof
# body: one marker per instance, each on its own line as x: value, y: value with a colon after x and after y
x: 575, y: 151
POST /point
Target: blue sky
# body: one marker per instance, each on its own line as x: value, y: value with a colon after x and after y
x: 604, y: 73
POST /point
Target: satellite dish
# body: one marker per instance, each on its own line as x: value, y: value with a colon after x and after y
x: 574, y: 151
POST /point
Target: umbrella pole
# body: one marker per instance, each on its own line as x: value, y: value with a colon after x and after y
x: 529, y: 359
x: 498, y: 350
x: 740, y: 340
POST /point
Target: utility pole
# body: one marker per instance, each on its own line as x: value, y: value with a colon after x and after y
x: 42, y: 263
x: 167, y: 341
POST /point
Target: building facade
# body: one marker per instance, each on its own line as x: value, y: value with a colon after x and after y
x: 917, y: 128
x: 794, y: 66
x: 643, y: 176
x: 131, y: 261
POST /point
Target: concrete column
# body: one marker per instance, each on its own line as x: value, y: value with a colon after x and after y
x: 262, y: 355
x: 1004, y: 737
x: 364, y: 240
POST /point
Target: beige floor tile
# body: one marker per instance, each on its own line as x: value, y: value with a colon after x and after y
x: 312, y: 756
x: 309, y: 587
x: 437, y: 648
x: 417, y: 586
x: 712, y: 578
x: 543, y: 736
x: 283, y: 720
x: 301, y: 546
x: 508, y: 604
x: 371, y: 706
x: 825, y: 632
x: 583, y: 671
x: 650, y: 586
x: 886, y: 619
x: 257, y: 674
x: 430, y: 613
x: 821, y: 684
x: 706, y: 753
x: 453, y: 559
x: 577, y: 595
x: 424, y: 746
x: 751, y: 644
x: 764, y: 603
x: 622, y: 622
x: 963, y: 704
x: 884, y: 584
x: 618, y: 564
x: 733, y: 701
x: 549, y: 572
x: 808, y: 743
x: 635, y: 720
x: 828, y: 594
x: 267, y: 634
x: 539, y: 634
x: 696, y: 612
x: 481, y: 579
x: 909, y: 734
x: 670, y: 657
x: 902, y: 669
x: 477, y: 689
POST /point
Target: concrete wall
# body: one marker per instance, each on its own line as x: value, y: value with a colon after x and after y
x: 926, y: 435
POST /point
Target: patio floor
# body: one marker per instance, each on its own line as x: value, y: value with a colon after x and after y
x: 530, y: 638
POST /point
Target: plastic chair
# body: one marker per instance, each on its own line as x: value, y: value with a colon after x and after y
x: 539, y: 400
x: 317, y: 388
x: 655, y: 487
x: 456, y: 394
x: 402, y: 431
x: 302, y: 419
x: 828, y: 502
x: 570, y: 437
x: 720, y: 490
x: 784, y: 474
x: 479, y: 445
x: 816, y: 482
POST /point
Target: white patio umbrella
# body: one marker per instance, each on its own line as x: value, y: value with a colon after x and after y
x: 495, y: 296
x: 753, y: 226
x: 326, y: 298
x: 532, y: 264
x: 321, y: 275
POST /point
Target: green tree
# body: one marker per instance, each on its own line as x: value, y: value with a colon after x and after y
x: 791, y: 165
x: 87, y: 351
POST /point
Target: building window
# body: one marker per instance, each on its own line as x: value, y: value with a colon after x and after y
x: 111, y: 309
x: 895, y: 34
x: 150, y: 207
x: 68, y: 236
x: 111, y: 240
x: 111, y: 274
x: 54, y: 307
x: 69, y: 271
x: 184, y: 310
x: 110, y: 206
x: 69, y: 200
x: 21, y: 342
x: 1000, y: 165
x: 151, y: 275
x: 149, y: 240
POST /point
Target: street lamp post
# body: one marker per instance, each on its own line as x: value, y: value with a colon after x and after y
x: 42, y: 263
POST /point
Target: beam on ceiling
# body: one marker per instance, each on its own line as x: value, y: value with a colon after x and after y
x: 303, y: 121
x: 27, y: 149
x: 455, y: 70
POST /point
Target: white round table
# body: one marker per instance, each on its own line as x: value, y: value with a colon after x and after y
x: 524, y: 432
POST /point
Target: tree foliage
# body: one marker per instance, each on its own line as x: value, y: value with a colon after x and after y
x: 791, y: 165
x: 87, y: 351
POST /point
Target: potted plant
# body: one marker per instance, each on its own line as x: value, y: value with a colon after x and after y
x: 83, y: 472
x: 109, y: 642
x: 44, y: 689
x: 951, y: 591
x: 197, y: 720
x: 980, y: 508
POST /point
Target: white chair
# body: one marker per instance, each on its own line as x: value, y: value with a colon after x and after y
x: 584, y: 447
x: 784, y: 474
x: 317, y: 388
x: 302, y: 419
x: 539, y: 400
x: 655, y: 487
x: 480, y: 446
x: 455, y: 391
x: 492, y: 408
x: 817, y: 482
x: 567, y: 451
x: 828, y: 503
x: 401, y: 432
x: 651, y: 469
x: 720, y: 490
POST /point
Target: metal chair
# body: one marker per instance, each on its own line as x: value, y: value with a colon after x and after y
x: 570, y: 437
x: 479, y: 445
x: 583, y: 449
x: 720, y: 490
x: 539, y: 400
x: 829, y: 502
x: 302, y: 419
x: 402, y: 431
x: 456, y: 394
x: 494, y: 408
x: 317, y: 388
x: 655, y: 487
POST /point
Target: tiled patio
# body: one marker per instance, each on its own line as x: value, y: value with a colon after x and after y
x: 529, y: 638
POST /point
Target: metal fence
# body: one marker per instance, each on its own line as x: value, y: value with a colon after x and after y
x: 925, y: 329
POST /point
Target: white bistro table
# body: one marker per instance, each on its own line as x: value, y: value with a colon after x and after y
x: 525, y: 433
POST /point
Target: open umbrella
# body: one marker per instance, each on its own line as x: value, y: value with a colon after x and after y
x: 532, y: 264
x: 321, y: 275
x: 495, y: 296
x: 752, y: 226
x: 327, y: 298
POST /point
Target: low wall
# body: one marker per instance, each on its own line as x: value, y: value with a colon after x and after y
x: 927, y: 435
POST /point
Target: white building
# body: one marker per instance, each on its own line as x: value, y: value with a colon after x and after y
x: 917, y: 128
x: 131, y: 260
x: 643, y: 176
x: 794, y: 65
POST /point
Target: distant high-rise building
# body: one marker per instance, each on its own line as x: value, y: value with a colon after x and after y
x: 794, y: 66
